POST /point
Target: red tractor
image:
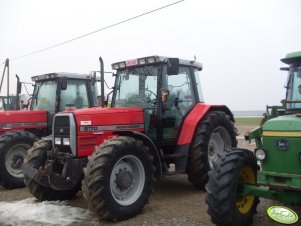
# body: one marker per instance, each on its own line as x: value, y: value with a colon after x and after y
x: 158, y: 125
x: 20, y: 129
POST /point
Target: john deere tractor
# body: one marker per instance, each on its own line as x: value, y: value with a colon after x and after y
x: 158, y: 125
x: 236, y: 181
x: 20, y: 129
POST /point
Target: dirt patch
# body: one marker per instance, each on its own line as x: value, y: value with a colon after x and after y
x: 174, y: 202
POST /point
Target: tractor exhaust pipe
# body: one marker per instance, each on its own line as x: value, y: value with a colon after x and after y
x: 102, y: 82
x: 18, y: 92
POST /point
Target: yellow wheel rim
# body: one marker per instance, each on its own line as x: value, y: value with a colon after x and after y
x: 244, y: 204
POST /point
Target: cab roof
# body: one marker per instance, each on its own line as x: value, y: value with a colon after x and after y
x: 292, y: 58
x: 153, y: 60
x: 61, y: 74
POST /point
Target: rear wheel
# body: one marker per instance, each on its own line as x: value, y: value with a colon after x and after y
x: 213, y: 134
x: 13, y: 150
x: 118, y: 178
x: 225, y: 207
x: 36, y: 158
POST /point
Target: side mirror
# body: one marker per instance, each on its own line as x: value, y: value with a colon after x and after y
x: 173, y: 66
x: 64, y: 83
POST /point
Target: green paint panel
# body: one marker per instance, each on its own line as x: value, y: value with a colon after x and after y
x: 283, y: 123
x: 282, y: 161
x: 292, y: 58
x: 287, y: 181
x: 293, y: 55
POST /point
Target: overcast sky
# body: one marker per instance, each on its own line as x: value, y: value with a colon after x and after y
x: 239, y: 42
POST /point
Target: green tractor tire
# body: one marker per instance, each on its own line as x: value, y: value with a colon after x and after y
x: 225, y: 207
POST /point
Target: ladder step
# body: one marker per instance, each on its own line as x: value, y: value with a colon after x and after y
x: 173, y: 156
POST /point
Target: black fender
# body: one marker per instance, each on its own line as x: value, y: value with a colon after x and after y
x: 152, y: 148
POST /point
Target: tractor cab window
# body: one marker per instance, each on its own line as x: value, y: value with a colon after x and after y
x: 137, y: 87
x: 294, y: 89
x: 76, y: 94
x: 178, y: 101
x: 198, y: 85
x: 44, y: 96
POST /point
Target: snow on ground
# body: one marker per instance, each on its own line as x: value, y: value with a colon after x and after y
x: 31, y: 212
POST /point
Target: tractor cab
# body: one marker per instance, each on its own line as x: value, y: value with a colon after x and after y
x: 293, y: 94
x: 54, y: 91
x: 8, y: 103
x: 166, y: 88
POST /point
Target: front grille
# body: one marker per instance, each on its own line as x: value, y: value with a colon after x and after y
x: 61, y: 126
x: 64, y: 133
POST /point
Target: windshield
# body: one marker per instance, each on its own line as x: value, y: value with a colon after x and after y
x: 76, y: 93
x: 294, y: 89
x: 44, y: 96
x: 137, y: 87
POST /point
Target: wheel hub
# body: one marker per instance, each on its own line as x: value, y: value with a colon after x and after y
x: 127, y: 180
x: 14, y: 159
x: 124, y: 179
x: 17, y: 161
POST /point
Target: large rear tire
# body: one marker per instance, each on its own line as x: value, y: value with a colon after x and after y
x: 13, y: 150
x: 118, y: 178
x: 213, y: 135
x: 225, y: 207
x: 36, y: 158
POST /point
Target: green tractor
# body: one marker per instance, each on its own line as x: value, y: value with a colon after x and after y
x: 273, y: 171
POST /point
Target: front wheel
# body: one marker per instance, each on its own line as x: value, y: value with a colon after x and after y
x: 225, y: 206
x: 119, y: 178
x: 37, y: 158
x: 13, y: 150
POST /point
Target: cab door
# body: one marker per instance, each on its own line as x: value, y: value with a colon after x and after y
x: 177, y: 99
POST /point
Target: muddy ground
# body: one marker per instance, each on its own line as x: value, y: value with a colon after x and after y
x: 174, y: 202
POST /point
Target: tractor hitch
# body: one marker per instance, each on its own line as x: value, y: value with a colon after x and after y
x: 69, y: 177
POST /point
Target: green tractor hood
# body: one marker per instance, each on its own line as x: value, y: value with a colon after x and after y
x: 281, y: 141
x: 283, y: 124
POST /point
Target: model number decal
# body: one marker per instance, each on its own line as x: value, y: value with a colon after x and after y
x: 112, y: 127
x: 89, y: 128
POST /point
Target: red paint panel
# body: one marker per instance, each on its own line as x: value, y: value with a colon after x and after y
x: 191, y: 122
x: 19, y: 120
x: 87, y: 140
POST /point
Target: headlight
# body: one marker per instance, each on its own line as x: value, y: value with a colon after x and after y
x: 66, y: 141
x: 151, y: 60
x: 142, y: 61
x: 260, y: 154
x: 57, y: 141
x: 115, y: 66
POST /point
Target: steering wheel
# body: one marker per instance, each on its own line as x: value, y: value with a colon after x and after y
x: 151, y: 102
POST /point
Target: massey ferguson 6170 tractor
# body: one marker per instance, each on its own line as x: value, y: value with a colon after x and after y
x: 158, y: 125
x: 236, y: 180
x: 20, y: 129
